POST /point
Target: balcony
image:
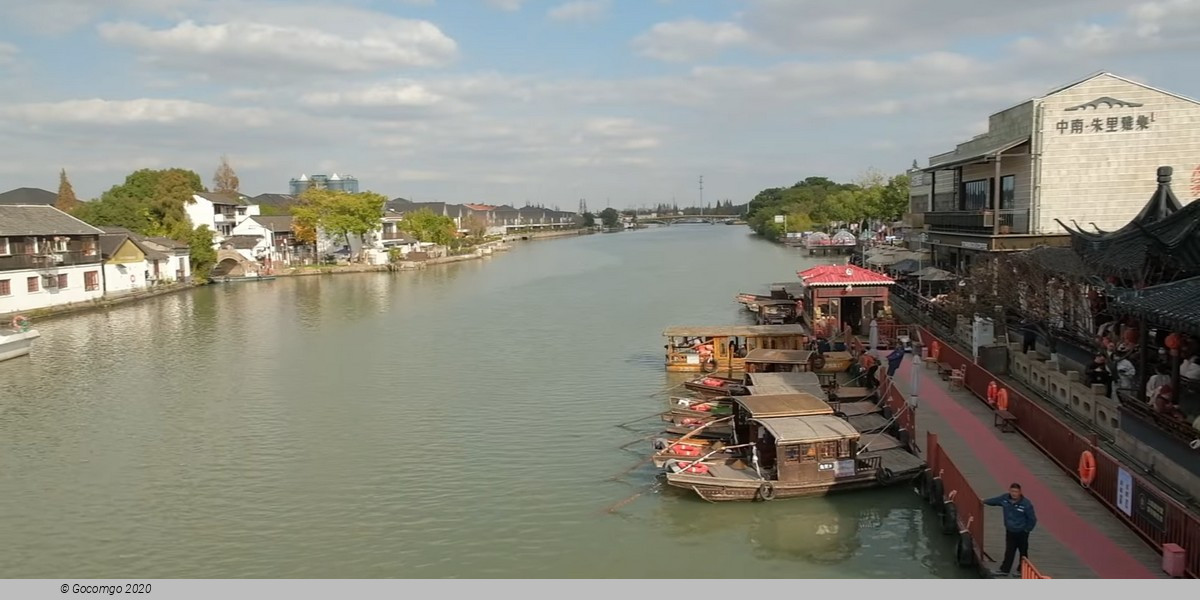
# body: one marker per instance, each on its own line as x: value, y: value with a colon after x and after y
x: 38, y: 261
x: 981, y: 222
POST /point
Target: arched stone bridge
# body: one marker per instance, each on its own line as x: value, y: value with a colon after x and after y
x: 231, y: 263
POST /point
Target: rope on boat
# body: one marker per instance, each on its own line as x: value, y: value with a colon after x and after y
x: 657, y: 414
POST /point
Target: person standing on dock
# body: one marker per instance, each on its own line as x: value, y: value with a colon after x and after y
x: 894, y: 359
x: 1019, y: 521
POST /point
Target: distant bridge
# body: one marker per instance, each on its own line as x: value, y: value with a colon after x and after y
x: 709, y: 219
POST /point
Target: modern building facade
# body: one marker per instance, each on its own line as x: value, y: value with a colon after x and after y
x: 1084, y: 153
x: 333, y: 182
x: 221, y: 212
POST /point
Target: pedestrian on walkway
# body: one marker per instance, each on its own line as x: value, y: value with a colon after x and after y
x: 1019, y: 521
x: 894, y: 359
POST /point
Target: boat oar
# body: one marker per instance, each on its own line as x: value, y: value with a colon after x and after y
x: 664, y: 450
x: 614, y: 507
x: 657, y: 414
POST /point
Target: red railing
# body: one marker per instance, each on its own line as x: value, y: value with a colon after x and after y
x: 893, y: 398
x: 957, y: 490
x: 1155, y: 517
x: 1028, y: 571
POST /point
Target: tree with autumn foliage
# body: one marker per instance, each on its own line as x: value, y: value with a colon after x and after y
x: 427, y: 226
x: 225, y: 180
x: 476, y: 226
x: 337, y: 214
x: 66, y: 202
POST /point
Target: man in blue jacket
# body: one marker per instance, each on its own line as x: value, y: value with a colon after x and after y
x: 1019, y: 521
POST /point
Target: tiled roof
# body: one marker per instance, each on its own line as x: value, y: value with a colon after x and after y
x: 276, y: 200
x: 275, y: 224
x: 243, y: 242
x: 28, y: 195
x: 41, y: 220
x: 840, y: 275
x: 1170, y: 304
x: 215, y: 198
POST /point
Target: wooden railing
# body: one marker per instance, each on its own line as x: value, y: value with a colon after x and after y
x: 1156, y: 517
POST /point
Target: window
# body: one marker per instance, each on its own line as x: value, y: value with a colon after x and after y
x: 5, y: 249
x: 62, y: 281
x: 49, y: 281
x: 1008, y: 191
x: 843, y: 448
x: 31, y: 284
x: 974, y: 195
x: 91, y: 281
x: 808, y: 452
x: 89, y: 247
x: 5, y: 287
x: 829, y: 449
x: 61, y: 244
x: 792, y: 453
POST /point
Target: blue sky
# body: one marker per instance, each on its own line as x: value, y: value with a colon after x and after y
x: 515, y: 101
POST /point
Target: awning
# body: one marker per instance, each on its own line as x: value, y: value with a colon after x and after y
x: 963, y: 159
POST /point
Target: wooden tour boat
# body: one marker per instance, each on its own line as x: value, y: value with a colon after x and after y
x: 777, y: 312
x: 699, y: 407
x: 717, y: 348
x: 795, y: 457
x: 711, y: 386
x: 774, y: 384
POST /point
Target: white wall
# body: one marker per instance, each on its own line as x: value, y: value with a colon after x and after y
x: 1106, y: 177
x: 125, y: 277
x: 20, y: 300
x: 200, y: 212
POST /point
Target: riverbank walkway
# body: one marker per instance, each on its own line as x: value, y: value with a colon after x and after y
x: 1075, y: 538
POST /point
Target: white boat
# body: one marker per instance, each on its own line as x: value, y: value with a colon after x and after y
x: 14, y: 343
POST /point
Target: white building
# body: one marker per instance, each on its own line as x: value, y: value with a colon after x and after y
x: 47, y: 258
x: 1086, y: 152
x: 220, y: 212
x: 276, y: 235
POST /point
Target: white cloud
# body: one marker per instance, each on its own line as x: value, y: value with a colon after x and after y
x: 140, y: 112
x: 690, y: 40
x: 579, y: 11
x: 390, y: 44
x: 8, y: 53
x: 509, y: 5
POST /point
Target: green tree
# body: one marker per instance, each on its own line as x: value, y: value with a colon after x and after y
x: 610, y: 217
x: 66, y: 202
x: 202, y: 255
x: 589, y: 220
x: 429, y: 227
x: 337, y: 213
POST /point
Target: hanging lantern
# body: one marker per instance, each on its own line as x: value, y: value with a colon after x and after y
x: 1172, y: 341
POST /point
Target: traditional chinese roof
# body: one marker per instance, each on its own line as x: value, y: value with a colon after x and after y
x: 842, y: 275
x: 1170, y: 304
x: 1164, y: 238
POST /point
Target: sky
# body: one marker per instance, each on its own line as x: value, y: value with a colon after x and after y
x: 619, y: 102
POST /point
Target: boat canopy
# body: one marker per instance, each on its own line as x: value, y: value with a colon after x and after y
x: 783, y: 405
x: 736, y: 331
x: 773, y: 384
x: 801, y: 430
x: 779, y: 357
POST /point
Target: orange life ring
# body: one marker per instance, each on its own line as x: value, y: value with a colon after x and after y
x: 1001, y: 399
x: 934, y: 350
x: 20, y: 323
x: 695, y: 468
x: 1087, y: 468
x: 992, y: 390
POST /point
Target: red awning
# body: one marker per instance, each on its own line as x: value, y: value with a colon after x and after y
x: 842, y: 275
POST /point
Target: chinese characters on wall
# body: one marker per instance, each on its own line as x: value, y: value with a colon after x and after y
x: 1105, y: 124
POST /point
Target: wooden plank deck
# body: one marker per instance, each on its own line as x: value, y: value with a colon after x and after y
x: 1076, y: 537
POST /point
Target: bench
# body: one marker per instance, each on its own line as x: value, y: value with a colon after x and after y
x: 1005, y: 421
x: 944, y: 369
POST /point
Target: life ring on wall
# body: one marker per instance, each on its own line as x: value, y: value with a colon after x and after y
x: 709, y: 366
x: 133, y: 279
x: 992, y: 390
x: 20, y: 323
x: 1001, y: 399
x: 1087, y: 468
x: 818, y: 362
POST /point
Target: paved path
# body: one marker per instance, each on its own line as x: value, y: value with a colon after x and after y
x: 1076, y: 537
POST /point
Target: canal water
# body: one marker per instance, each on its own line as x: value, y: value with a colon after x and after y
x: 460, y: 421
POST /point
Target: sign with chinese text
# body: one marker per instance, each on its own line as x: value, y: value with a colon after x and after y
x: 1148, y: 507
x: 1113, y: 124
x: 1125, y: 492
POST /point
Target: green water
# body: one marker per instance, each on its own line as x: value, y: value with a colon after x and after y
x: 454, y: 422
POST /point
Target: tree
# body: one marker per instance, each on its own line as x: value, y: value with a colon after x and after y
x: 66, y: 202
x: 589, y: 220
x: 225, y: 180
x: 476, y: 226
x: 337, y: 213
x: 202, y: 255
x: 149, y: 202
x: 610, y: 217
x: 429, y: 227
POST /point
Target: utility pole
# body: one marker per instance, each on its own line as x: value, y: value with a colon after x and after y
x: 702, y: 195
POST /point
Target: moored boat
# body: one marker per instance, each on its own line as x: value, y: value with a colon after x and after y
x: 711, y: 386
x: 17, y: 341
x: 723, y: 348
x: 794, y: 457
